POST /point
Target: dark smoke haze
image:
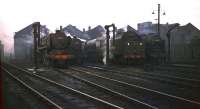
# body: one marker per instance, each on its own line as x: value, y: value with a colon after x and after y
x: 6, y: 40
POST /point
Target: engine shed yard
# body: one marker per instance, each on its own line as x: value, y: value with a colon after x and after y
x: 104, y: 87
x: 119, y: 70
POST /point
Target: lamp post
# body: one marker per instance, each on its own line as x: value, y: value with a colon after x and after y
x: 158, y: 26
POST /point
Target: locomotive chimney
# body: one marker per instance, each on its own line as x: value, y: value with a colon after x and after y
x: 89, y: 28
x: 61, y: 28
x: 83, y: 30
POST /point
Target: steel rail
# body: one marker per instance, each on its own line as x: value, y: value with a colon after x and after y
x: 107, y: 104
x: 110, y: 90
x: 136, y: 86
x: 55, y: 106
x: 189, y: 80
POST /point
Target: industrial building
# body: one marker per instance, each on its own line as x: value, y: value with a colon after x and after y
x: 23, y: 43
x: 184, y: 42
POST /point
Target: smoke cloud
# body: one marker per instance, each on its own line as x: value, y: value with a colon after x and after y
x: 6, y: 40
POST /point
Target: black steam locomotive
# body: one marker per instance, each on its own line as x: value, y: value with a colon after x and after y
x: 57, y: 49
x: 155, y: 50
x: 129, y: 48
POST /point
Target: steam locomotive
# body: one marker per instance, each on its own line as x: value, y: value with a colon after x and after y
x: 155, y: 50
x: 57, y: 49
x: 129, y: 48
x: 94, y: 50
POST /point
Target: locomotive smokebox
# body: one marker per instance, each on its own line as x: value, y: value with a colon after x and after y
x: 57, y: 31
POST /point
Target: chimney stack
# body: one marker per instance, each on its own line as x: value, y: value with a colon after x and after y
x: 83, y: 30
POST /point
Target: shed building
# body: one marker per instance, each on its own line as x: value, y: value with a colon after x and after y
x: 23, y: 43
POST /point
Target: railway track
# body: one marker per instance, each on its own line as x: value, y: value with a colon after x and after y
x: 111, y: 95
x: 50, y: 104
x: 156, y: 98
x: 19, y: 96
x: 178, y: 71
x: 58, y: 95
x: 184, y: 81
x: 191, y: 73
x: 95, y: 90
x: 161, y: 86
x: 179, y: 68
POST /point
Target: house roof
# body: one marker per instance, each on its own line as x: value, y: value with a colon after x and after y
x: 27, y: 31
x: 186, y: 28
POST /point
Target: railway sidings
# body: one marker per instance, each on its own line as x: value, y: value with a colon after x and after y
x: 58, y: 95
x: 100, y: 87
x: 151, y: 92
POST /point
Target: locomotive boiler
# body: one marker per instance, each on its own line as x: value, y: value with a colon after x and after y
x: 128, y: 48
x: 57, y: 49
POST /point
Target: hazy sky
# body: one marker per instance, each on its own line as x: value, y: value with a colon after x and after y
x: 16, y: 14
